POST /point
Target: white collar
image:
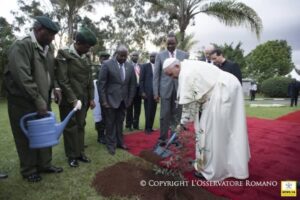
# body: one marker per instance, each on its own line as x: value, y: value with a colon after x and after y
x: 34, y: 40
x: 74, y: 51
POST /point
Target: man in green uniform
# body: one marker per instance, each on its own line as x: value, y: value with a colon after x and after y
x: 74, y: 75
x: 29, y: 78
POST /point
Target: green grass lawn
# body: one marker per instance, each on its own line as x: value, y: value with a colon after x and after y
x: 73, y: 183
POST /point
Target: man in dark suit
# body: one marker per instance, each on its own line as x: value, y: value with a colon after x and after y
x: 146, y: 89
x: 207, y: 51
x: 226, y: 65
x: 134, y: 110
x: 117, y: 83
x: 293, y: 92
x: 165, y: 89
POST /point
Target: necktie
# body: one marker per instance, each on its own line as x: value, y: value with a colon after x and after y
x: 137, y: 73
x: 172, y: 54
x: 122, y: 72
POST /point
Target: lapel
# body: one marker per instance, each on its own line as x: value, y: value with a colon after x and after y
x: 127, y: 71
x: 150, y: 68
x: 179, y: 55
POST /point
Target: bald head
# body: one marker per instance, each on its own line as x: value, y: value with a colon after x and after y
x: 121, y: 54
x: 207, y: 51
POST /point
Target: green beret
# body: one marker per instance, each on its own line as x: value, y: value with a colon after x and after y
x: 104, y: 54
x: 47, y: 23
x: 85, y: 35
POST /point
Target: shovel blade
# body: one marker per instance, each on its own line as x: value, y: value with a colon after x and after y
x: 163, y: 152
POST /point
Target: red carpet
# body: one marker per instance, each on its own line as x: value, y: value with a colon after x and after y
x: 275, y: 151
x: 291, y: 117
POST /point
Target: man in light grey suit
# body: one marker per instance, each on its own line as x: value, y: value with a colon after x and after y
x: 117, y: 83
x: 165, y: 89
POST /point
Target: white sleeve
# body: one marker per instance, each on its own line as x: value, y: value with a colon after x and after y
x: 189, y: 112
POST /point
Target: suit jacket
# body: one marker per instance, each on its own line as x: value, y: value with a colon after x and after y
x: 140, y: 66
x: 146, y: 79
x: 232, y: 68
x: 162, y: 84
x: 112, y: 89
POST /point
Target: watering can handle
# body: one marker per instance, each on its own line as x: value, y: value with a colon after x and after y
x: 22, y: 122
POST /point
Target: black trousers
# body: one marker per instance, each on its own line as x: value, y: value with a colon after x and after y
x: 150, y: 111
x: 134, y: 111
x: 31, y: 160
x: 294, y: 100
x: 114, y: 118
x: 100, y: 127
x: 252, y: 94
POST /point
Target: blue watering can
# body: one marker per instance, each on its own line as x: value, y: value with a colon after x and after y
x: 43, y: 132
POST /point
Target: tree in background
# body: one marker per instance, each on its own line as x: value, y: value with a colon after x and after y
x: 6, y: 39
x: 188, y: 42
x: 69, y: 10
x: 271, y: 59
x: 135, y: 25
x: 231, y: 13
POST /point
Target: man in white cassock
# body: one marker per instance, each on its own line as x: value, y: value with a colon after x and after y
x: 222, y: 148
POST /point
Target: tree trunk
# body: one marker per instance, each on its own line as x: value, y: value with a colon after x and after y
x: 70, y: 27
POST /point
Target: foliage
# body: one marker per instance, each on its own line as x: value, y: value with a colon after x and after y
x: 180, y: 161
x: 69, y: 11
x: 271, y: 59
x: 229, y: 12
x: 100, y: 34
x: 134, y: 25
x: 276, y: 87
x: 6, y: 39
x: 188, y: 42
x: 26, y: 12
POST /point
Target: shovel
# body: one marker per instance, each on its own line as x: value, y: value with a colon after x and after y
x: 164, y: 152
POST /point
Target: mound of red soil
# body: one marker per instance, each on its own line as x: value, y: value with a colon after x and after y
x: 151, y: 157
x: 129, y: 179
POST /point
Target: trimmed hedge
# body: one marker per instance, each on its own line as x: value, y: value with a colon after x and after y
x: 276, y: 87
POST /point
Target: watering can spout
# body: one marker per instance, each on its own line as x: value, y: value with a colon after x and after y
x: 60, y: 126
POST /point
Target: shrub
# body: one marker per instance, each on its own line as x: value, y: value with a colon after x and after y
x: 276, y: 87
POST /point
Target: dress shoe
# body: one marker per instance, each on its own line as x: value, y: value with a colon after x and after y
x: 3, y: 176
x: 148, y: 132
x: 199, y: 175
x: 101, y: 141
x: 177, y: 144
x: 84, y: 159
x: 123, y: 147
x: 52, y: 169
x: 162, y: 143
x: 34, y: 177
x: 73, y: 162
x: 111, y: 151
